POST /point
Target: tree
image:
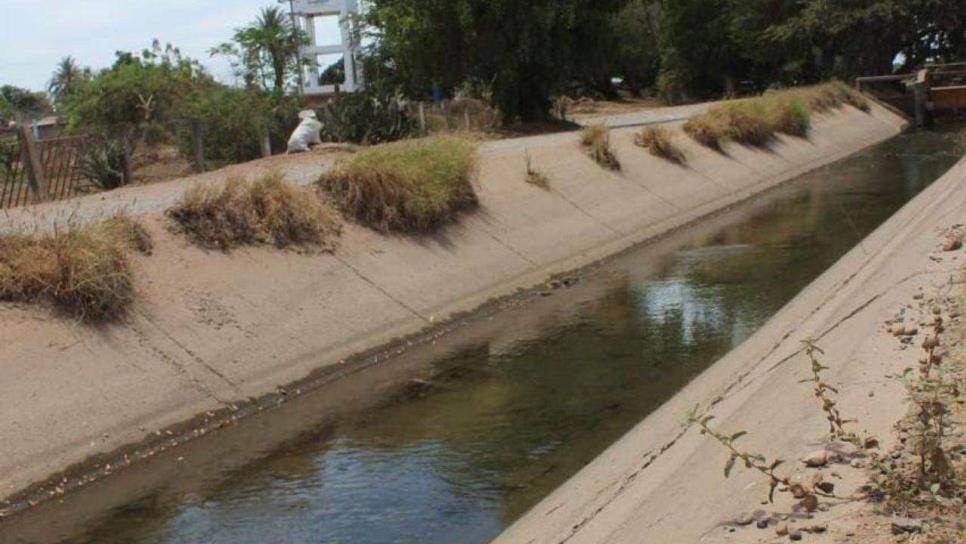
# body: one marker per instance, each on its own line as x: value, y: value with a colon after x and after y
x: 17, y: 103
x: 636, y: 29
x: 137, y: 91
x: 266, y: 52
x: 524, y: 52
x: 67, y: 79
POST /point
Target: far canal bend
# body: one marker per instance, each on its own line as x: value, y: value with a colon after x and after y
x: 499, y: 413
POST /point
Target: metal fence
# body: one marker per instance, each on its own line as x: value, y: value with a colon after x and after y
x: 33, y: 171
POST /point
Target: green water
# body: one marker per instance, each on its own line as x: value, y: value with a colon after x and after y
x: 519, y: 401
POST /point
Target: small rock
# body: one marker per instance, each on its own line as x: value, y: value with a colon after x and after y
x: 952, y: 243
x: 763, y: 523
x: 744, y: 518
x: 795, y: 535
x: 782, y: 529
x: 870, y: 442
x: 857, y: 463
x: 816, y: 529
x: 826, y: 487
x: 816, y: 459
x: 906, y: 525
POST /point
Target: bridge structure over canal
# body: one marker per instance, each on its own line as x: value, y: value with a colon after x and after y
x: 936, y: 89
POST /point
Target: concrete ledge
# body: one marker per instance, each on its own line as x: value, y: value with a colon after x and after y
x: 213, y: 329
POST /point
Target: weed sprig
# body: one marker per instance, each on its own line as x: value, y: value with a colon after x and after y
x: 824, y: 393
x: 808, y: 494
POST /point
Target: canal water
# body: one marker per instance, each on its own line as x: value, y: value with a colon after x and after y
x: 496, y: 415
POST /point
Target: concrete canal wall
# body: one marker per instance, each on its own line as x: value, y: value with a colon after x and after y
x: 211, y: 330
x: 661, y: 483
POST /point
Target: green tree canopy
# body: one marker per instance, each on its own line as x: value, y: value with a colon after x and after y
x: 265, y: 53
x: 18, y: 103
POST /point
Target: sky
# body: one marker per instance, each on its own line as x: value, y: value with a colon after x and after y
x: 36, y: 34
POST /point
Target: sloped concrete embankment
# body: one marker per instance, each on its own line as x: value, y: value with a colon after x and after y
x: 213, y: 329
x: 661, y: 483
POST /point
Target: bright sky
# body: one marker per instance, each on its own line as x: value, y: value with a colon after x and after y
x: 36, y: 34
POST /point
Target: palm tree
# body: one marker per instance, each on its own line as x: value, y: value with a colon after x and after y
x: 267, y: 48
x: 66, y: 79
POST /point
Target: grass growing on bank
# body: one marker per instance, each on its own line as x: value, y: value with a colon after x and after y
x: 83, y: 271
x: 756, y: 121
x: 409, y: 186
x: 268, y: 211
x: 660, y: 142
x: 596, y: 140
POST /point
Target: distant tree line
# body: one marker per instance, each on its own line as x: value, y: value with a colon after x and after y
x: 518, y: 56
x: 522, y: 53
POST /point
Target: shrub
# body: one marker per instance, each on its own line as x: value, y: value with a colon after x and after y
x: 411, y: 186
x: 103, y: 163
x: 367, y: 117
x: 83, y: 271
x: 660, y: 142
x: 268, y: 211
x: 596, y: 140
x: 234, y: 121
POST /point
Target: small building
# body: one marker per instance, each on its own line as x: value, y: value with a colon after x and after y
x: 332, y: 52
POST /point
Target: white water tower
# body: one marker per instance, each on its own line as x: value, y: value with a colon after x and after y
x: 327, y: 25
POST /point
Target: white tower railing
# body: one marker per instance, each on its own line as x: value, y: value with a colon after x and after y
x: 305, y: 13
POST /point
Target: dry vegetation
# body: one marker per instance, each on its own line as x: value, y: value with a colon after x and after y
x: 268, y: 211
x: 660, y: 142
x: 757, y: 121
x: 410, y: 186
x: 84, y: 271
x: 596, y: 140
x: 536, y: 177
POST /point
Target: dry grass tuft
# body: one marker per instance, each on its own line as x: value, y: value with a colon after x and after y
x: 536, y: 177
x: 756, y: 121
x: 660, y: 142
x: 83, y: 271
x: 596, y: 140
x: 268, y: 211
x: 410, y: 186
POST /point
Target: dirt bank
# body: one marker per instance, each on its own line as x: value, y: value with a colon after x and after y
x: 211, y: 330
x: 661, y: 483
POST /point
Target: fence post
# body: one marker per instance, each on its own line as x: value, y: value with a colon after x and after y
x: 198, y: 145
x: 31, y: 161
x: 466, y: 118
x: 422, y: 117
x: 265, y: 141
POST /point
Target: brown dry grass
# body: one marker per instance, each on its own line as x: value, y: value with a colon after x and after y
x: 660, y: 142
x: 596, y: 140
x: 410, y: 186
x: 268, y: 211
x: 83, y: 271
x: 757, y: 121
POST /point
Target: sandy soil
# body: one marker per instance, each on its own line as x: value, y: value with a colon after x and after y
x: 210, y: 330
x: 664, y: 482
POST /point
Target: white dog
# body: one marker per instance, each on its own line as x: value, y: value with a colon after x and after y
x: 307, y: 134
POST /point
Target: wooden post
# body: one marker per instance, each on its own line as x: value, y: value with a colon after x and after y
x: 921, y: 93
x: 466, y: 119
x: 266, y: 144
x: 422, y: 116
x: 31, y: 162
x: 126, y: 176
x: 197, y: 140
